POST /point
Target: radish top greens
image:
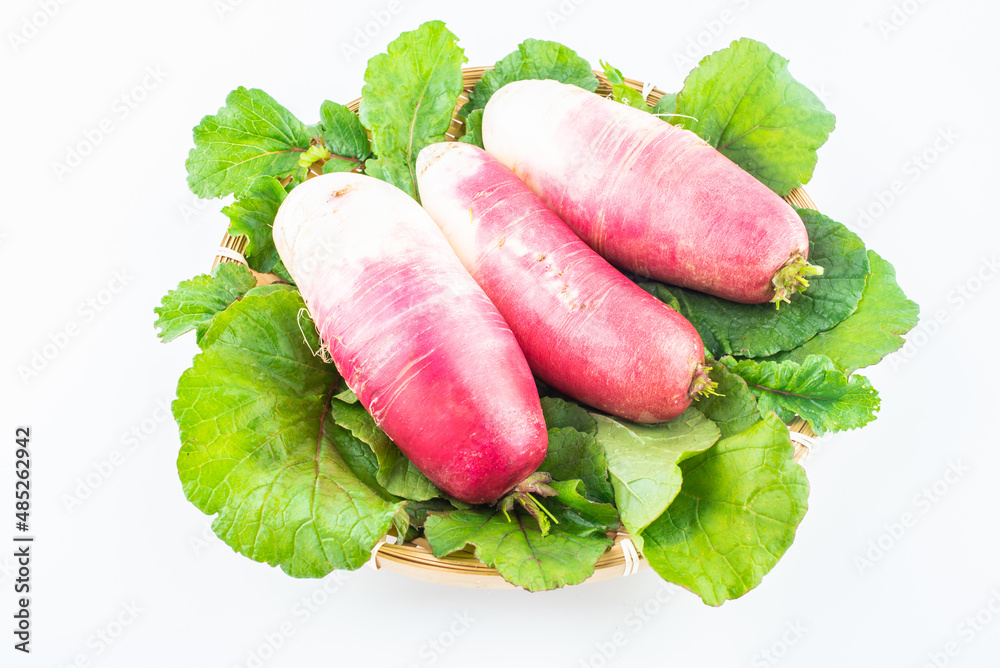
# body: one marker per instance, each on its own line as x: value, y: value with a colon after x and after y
x: 297, y: 473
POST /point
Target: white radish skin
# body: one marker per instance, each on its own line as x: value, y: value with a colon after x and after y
x: 585, y: 328
x: 415, y: 338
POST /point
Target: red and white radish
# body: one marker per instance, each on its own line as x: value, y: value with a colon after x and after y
x: 584, y: 327
x: 413, y: 335
x: 648, y: 196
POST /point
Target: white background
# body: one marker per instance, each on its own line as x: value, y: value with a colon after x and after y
x: 136, y: 543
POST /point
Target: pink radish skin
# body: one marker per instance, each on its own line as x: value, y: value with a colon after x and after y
x: 648, y: 196
x: 585, y: 329
x: 417, y: 340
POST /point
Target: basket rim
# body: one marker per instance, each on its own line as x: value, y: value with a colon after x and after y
x: 462, y: 568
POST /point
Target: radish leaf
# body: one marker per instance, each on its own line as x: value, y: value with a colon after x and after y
x: 395, y: 472
x: 816, y: 390
x: 408, y: 100
x: 474, y: 129
x: 575, y: 455
x: 516, y: 548
x: 745, y: 103
x: 733, y: 408
x: 870, y: 333
x: 560, y: 413
x: 759, y: 330
x: 534, y: 59
x: 419, y: 511
x: 251, y: 136
x: 734, y: 517
x: 194, y: 303
x: 643, y: 461
x: 345, y: 137
x: 260, y: 450
x: 252, y: 215
x: 666, y: 106
x: 621, y: 91
x: 571, y: 494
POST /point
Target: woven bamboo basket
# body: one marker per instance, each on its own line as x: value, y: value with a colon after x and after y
x: 414, y: 559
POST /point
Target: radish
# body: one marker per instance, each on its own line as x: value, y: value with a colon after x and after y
x: 648, y: 196
x: 585, y: 328
x: 415, y: 338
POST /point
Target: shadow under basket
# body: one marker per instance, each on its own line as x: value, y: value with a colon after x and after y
x: 462, y: 569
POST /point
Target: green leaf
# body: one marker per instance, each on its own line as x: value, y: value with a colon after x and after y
x: 396, y: 473
x: 361, y: 461
x: 734, y: 408
x: 666, y: 106
x: 251, y: 136
x: 517, y: 548
x: 816, y: 390
x: 358, y: 456
x: 345, y: 137
x: 560, y: 413
x: 194, y: 303
x: 643, y: 461
x: 252, y: 215
x: 346, y: 394
x: 570, y: 521
x: 474, y: 129
x: 574, y: 455
x: 734, y: 517
x: 401, y: 525
x: 621, y: 91
x: 534, y: 59
x: 331, y: 166
x: 408, y: 100
x: 749, y: 107
x: 259, y: 451
x: 419, y: 511
x: 264, y: 290
x: 759, y: 330
x: 571, y: 494
x: 870, y: 333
